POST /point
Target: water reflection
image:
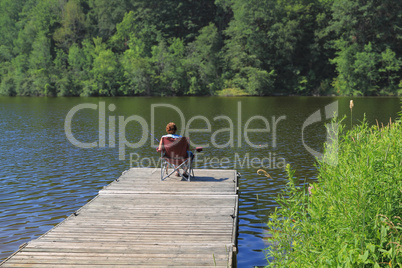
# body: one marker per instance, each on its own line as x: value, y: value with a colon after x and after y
x: 44, y: 178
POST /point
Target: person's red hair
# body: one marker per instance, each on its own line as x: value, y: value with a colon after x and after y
x: 171, y: 128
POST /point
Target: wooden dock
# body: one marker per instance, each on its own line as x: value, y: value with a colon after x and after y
x: 138, y: 220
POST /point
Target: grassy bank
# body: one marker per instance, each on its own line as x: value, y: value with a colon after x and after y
x: 352, y: 217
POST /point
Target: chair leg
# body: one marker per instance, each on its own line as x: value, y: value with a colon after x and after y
x: 191, y: 172
x: 185, y: 166
x: 162, y: 170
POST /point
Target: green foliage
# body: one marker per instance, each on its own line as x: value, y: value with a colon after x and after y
x: 261, y: 47
x: 104, y: 72
x: 9, y: 15
x: 368, y: 45
x: 73, y: 25
x: 203, y: 61
x: 39, y: 62
x: 104, y: 15
x: 230, y: 92
x: 279, y: 37
x: 176, y: 18
x: 169, y: 74
x: 260, y: 82
x: 352, y: 216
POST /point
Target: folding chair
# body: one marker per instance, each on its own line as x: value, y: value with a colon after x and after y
x: 175, y: 154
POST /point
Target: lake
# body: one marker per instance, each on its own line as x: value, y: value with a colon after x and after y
x: 57, y: 153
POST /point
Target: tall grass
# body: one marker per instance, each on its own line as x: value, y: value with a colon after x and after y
x: 352, y: 216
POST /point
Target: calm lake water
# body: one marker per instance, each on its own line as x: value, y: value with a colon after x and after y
x: 44, y: 177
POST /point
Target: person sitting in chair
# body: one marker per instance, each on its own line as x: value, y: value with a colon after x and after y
x: 171, y: 129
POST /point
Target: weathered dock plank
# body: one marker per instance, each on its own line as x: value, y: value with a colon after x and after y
x: 139, y: 220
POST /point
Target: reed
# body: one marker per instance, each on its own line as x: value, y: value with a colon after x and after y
x: 351, y: 104
x: 352, y: 216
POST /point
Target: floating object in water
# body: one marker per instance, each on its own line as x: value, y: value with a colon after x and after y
x: 263, y: 172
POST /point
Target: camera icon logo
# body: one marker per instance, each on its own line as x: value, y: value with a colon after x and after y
x: 330, y: 155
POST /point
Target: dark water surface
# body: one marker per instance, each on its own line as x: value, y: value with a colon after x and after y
x: 44, y: 177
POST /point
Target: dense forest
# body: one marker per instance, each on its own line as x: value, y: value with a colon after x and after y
x: 200, y: 47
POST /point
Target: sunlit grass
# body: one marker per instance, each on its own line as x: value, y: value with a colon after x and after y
x: 229, y: 92
x: 352, y: 216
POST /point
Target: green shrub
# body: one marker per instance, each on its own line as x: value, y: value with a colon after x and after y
x: 352, y: 217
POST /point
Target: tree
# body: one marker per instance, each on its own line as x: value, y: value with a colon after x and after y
x: 369, y: 39
x: 40, y: 64
x: 137, y: 68
x: 65, y: 85
x: 131, y: 28
x: 9, y: 16
x: 390, y: 68
x: 204, y: 61
x: 168, y: 61
x: 105, y: 15
x: 283, y: 40
x: 186, y: 47
x: 105, y: 71
x: 73, y: 28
